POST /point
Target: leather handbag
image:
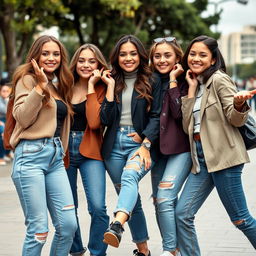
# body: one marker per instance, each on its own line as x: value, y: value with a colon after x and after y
x: 248, y: 132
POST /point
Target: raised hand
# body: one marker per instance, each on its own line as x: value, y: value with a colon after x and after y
x: 96, y: 76
x: 176, y: 71
x: 40, y: 75
x: 241, y: 96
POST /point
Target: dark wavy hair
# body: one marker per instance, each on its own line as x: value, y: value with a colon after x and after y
x: 212, y: 45
x: 142, y: 84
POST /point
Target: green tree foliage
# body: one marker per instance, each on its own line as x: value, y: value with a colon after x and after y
x: 20, y: 20
x: 245, y: 71
x: 102, y: 22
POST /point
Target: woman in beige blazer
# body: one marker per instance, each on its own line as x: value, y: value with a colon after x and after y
x: 212, y: 112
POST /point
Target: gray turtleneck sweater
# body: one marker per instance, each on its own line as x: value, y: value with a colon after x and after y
x: 129, y: 79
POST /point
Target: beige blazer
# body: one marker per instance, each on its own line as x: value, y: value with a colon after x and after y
x: 222, y: 143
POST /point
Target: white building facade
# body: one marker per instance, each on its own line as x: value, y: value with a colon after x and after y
x: 239, y: 47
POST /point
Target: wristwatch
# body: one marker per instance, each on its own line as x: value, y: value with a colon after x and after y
x: 146, y: 145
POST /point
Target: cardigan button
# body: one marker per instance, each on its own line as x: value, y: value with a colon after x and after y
x: 164, y: 114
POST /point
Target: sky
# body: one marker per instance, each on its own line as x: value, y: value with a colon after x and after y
x: 234, y: 15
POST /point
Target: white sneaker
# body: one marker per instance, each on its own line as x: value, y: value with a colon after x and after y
x: 166, y: 253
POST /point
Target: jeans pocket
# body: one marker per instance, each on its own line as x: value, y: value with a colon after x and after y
x: 32, y: 146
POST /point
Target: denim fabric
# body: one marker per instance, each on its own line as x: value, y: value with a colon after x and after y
x: 196, y: 190
x: 41, y: 182
x: 170, y: 171
x: 126, y: 182
x: 93, y: 176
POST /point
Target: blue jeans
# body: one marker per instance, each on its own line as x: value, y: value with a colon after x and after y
x: 41, y: 182
x: 197, y: 189
x: 168, y: 176
x: 93, y: 176
x: 126, y: 182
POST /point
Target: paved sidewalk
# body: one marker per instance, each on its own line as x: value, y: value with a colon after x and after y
x: 217, y: 236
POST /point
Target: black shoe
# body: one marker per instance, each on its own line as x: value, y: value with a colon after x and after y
x: 113, y: 234
x: 79, y: 253
x: 137, y: 253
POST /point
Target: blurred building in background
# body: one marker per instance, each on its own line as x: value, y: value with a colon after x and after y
x: 239, y: 47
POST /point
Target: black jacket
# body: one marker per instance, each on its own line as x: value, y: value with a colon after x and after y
x: 145, y: 123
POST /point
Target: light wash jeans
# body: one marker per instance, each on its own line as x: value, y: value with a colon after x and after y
x: 168, y: 176
x: 197, y: 189
x: 126, y: 182
x: 42, y: 183
x: 93, y: 176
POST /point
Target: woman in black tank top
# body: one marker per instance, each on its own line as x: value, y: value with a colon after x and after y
x: 85, y: 140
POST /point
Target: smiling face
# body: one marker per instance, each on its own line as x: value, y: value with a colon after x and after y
x: 128, y: 58
x: 86, y: 64
x: 199, y: 58
x: 50, y: 57
x: 164, y: 58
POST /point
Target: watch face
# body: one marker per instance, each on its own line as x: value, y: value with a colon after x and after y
x: 147, y: 144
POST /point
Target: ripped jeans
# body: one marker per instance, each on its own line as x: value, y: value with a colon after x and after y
x: 168, y: 176
x: 197, y: 188
x: 41, y: 182
x: 126, y: 182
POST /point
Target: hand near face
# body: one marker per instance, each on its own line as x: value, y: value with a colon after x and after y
x: 191, y: 78
x: 176, y: 71
x: 96, y: 76
x: 108, y: 79
x: 40, y: 75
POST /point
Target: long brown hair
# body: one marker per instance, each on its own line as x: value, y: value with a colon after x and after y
x: 63, y: 74
x: 142, y: 84
x: 98, y: 54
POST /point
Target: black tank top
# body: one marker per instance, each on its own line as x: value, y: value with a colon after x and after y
x: 79, y: 123
x: 62, y: 111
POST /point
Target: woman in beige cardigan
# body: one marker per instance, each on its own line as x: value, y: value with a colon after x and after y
x: 42, y: 112
x: 212, y: 112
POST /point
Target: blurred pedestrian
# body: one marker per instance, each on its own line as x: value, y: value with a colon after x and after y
x: 85, y: 140
x: 42, y: 111
x: 130, y: 111
x: 174, y: 162
x: 212, y: 112
x: 5, y: 91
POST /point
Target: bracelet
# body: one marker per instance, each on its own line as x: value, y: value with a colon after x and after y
x: 173, y: 81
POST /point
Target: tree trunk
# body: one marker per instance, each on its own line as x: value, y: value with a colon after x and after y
x: 9, y: 38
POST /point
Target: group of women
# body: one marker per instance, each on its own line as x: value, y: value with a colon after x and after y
x: 172, y: 114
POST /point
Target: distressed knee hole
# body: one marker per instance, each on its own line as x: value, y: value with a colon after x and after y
x: 133, y: 166
x: 41, y: 237
x: 238, y: 222
x: 68, y: 207
x: 166, y: 184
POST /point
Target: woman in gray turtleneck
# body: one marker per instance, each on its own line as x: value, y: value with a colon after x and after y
x: 130, y: 111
